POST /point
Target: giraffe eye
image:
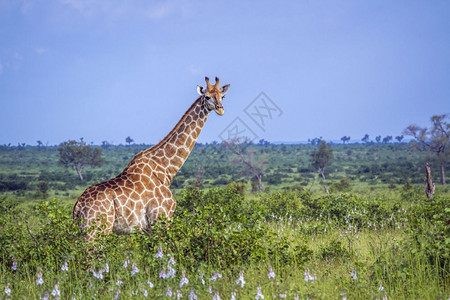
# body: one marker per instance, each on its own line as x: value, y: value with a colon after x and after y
x: 207, y: 97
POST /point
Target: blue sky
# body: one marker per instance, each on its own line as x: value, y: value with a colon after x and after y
x: 105, y: 70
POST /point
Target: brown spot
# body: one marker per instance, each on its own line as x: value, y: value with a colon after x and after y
x: 181, y: 152
x: 152, y: 165
x: 156, y: 180
x: 189, y: 143
x: 172, y: 170
x: 147, y: 195
x: 188, y: 120
x: 153, y: 203
x: 135, y: 196
x: 146, y: 169
x: 129, y: 184
x: 170, y: 151
x: 139, y: 187
x: 173, y: 139
x: 166, y: 192
x: 158, y: 194
x: 177, y: 161
x: 139, y: 207
x: 164, y: 161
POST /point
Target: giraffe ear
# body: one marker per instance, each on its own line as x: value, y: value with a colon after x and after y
x: 225, y: 89
x: 200, y: 90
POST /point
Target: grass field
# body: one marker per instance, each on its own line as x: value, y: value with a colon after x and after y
x: 376, y: 237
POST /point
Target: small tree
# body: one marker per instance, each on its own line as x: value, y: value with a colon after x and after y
x: 365, y: 139
x: 251, y: 162
x: 129, y: 140
x: 345, y: 139
x: 399, y: 138
x: 378, y: 138
x: 435, y: 139
x: 387, y: 139
x: 321, y: 157
x: 78, y: 155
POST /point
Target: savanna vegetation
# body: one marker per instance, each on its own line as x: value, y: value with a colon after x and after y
x: 356, y: 225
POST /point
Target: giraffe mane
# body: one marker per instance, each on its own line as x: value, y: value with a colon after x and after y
x: 169, y: 135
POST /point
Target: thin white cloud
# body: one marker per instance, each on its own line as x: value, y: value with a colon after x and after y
x: 195, y: 70
x: 40, y: 50
x: 114, y: 8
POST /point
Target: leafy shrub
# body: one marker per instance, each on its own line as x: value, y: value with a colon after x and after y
x: 430, y: 231
x: 333, y: 250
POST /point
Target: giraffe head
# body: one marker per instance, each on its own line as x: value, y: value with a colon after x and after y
x: 212, y: 96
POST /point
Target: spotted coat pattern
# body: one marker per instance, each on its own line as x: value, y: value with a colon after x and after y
x: 140, y: 194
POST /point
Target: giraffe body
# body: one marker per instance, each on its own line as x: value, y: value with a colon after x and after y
x: 141, y: 193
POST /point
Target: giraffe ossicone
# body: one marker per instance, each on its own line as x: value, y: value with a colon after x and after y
x: 141, y: 193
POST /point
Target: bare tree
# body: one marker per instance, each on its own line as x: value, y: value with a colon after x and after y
x: 251, y: 162
x: 430, y: 186
x: 435, y: 139
x: 320, y: 159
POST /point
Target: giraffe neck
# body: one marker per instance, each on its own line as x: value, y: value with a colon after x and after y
x: 173, y: 150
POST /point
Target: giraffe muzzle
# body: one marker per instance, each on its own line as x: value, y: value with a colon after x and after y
x: 219, y: 110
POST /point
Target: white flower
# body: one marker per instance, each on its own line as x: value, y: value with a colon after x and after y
x: 170, y: 272
x: 385, y: 297
x: 215, y: 276
x: 98, y: 275
x: 271, y: 273
x: 134, y: 269
x: 309, y: 277
x: 233, y: 295
x: 119, y: 282
x: 126, y: 263
x: 171, y: 261
x: 259, y: 294
x: 201, y: 278
x: 144, y: 291
x: 151, y: 285
x: 160, y: 253
x: 162, y: 274
x: 39, y: 280
x: 106, y: 269
x: 216, y: 296
x: 241, y: 280
x: 65, y: 266
x: 183, y: 280
x: 169, y: 292
x: 209, y: 289
x: 14, y: 266
x: 282, y: 296
x: 381, y: 288
x: 56, y: 292
x: 179, y: 294
x: 46, y: 296
x: 7, y: 290
x: 192, y: 295
x: 116, y: 295
x: 354, y: 275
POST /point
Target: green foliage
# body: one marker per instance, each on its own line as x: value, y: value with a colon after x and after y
x: 342, y: 185
x: 322, y: 156
x: 77, y: 155
x: 430, y: 231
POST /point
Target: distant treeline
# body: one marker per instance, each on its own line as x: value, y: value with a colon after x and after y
x: 287, y: 166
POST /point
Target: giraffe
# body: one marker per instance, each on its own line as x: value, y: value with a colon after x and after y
x: 141, y: 193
